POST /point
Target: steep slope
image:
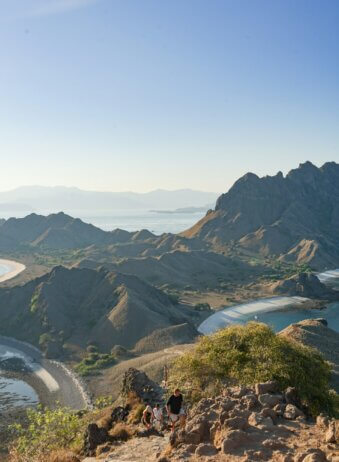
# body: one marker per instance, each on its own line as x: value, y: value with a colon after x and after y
x: 84, y: 306
x: 295, y: 217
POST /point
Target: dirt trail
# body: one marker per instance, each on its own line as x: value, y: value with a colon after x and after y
x: 135, y: 450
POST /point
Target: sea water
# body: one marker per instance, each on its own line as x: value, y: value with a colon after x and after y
x: 130, y: 220
x: 4, y: 269
x: 16, y: 393
x: 278, y: 320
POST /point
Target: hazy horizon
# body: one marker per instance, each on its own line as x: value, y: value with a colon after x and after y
x: 137, y: 96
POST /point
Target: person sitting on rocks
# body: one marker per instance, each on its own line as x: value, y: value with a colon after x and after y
x: 175, y: 409
x: 158, y: 417
x: 147, y: 416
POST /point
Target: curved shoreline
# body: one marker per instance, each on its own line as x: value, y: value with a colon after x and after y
x: 52, y: 380
x: 14, y: 268
x: 235, y: 314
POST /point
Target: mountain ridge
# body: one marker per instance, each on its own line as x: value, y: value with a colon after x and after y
x: 273, y: 215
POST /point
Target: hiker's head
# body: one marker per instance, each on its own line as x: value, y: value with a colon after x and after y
x: 177, y: 392
x: 157, y: 405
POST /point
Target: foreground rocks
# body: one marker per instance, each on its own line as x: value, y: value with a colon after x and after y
x: 249, y: 424
x: 243, y: 424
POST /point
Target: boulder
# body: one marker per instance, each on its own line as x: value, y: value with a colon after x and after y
x: 94, y: 437
x: 292, y: 412
x: 270, y: 400
x: 238, y: 392
x: 206, y: 450
x: 250, y: 401
x: 286, y: 457
x: 197, y: 430
x: 139, y: 384
x: 279, y: 409
x: 268, y: 412
x: 236, y: 423
x: 228, y: 404
x: 291, y: 396
x: 266, y: 387
x: 322, y: 421
x: 274, y: 443
x: 330, y: 435
x: 204, y: 405
x: 233, y: 440
x: 311, y: 455
x: 315, y: 458
x: 236, y: 412
x: 258, y: 420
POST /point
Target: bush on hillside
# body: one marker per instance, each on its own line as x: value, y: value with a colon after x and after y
x: 93, y: 363
x: 47, y: 430
x: 249, y: 354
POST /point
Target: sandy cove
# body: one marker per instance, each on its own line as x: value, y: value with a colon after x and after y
x: 14, y: 268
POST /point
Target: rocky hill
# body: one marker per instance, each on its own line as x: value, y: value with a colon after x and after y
x: 198, y: 269
x: 316, y: 334
x: 295, y: 217
x: 52, y: 231
x: 84, y: 306
x: 243, y: 424
x: 304, y: 285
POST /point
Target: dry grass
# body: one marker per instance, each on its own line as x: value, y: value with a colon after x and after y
x: 104, y: 419
x: 121, y: 432
x: 135, y: 414
x: 63, y: 456
x: 56, y: 456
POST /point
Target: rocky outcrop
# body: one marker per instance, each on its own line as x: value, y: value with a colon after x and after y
x: 254, y: 424
x: 138, y: 384
x: 295, y: 217
x: 304, y: 285
x: 316, y: 334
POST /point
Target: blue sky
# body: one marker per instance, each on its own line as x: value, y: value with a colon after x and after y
x: 144, y: 94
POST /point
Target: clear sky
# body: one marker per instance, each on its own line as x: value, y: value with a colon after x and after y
x: 144, y: 94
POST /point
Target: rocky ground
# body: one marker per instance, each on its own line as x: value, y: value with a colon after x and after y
x: 243, y: 424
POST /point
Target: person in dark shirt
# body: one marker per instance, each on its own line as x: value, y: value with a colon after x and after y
x: 175, y: 409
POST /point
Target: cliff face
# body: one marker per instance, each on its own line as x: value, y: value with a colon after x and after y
x: 295, y: 217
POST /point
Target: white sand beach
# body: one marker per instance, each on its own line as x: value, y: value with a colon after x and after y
x: 10, y: 269
x: 238, y: 313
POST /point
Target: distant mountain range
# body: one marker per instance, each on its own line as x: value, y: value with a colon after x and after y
x: 295, y: 218
x: 55, y: 199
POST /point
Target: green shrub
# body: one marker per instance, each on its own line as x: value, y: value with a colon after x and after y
x: 254, y: 353
x: 94, y: 362
x: 103, y: 401
x: 34, y: 301
x: 202, y: 307
x: 47, y: 430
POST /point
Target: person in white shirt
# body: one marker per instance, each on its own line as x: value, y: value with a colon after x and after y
x: 158, y: 417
